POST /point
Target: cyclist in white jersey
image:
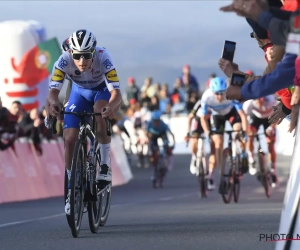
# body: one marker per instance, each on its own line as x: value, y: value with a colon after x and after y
x: 95, y: 85
x: 258, y: 112
x: 222, y: 110
x: 194, y: 129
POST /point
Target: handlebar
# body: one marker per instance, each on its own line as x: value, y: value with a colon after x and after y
x: 198, y: 137
x: 232, y: 131
x: 255, y: 135
x: 81, y: 114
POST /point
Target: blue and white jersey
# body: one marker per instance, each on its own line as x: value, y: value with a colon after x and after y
x: 209, y: 102
x: 101, y: 74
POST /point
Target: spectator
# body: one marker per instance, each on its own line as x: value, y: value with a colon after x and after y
x: 132, y: 91
x: 186, y: 74
x: 156, y: 88
x: 154, y: 104
x: 144, y: 99
x: 164, y: 101
x: 4, y: 115
x: 191, y: 95
x: 179, y: 90
x: 6, y: 138
x: 148, y: 87
x: 30, y: 127
x: 250, y: 73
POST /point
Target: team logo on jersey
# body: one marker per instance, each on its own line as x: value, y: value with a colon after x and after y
x: 112, y: 76
x: 62, y: 63
x: 77, y: 72
x: 107, y: 64
x: 58, y: 76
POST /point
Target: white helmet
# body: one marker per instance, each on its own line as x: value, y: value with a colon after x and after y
x: 82, y: 40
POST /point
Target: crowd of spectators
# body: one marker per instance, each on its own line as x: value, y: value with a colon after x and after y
x: 15, y: 123
x: 155, y: 96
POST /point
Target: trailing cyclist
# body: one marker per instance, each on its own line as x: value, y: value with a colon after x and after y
x: 223, y: 110
x: 95, y: 85
x: 156, y: 129
x: 258, y: 112
x: 194, y: 130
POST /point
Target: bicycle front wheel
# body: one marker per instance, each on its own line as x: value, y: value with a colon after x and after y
x: 227, y: 175
x: 237, y: 174
x: 66, y: 190
x: 201, y: 178
x: 105, y: 203
x: 94, y: 207
x: 77, y: 188
x: 265, y: 177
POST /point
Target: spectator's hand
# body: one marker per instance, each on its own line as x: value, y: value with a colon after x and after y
x: 249, y: 9
x: 233, y: 93
x: 294, y: 118
x: 295, y: 102
x: 278, y: 114
x: 228, y: 67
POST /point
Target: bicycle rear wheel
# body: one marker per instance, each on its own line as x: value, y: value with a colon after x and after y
x: 226, y: 182
x: 66, y: 190
x: 77, y: 188
x: 237, y: 175
x: 94, y: 207
x: 265, y: 177
x: 201, y: 178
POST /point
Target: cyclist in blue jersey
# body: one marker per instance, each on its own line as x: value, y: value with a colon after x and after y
x: 95, y: 84
x: 223, y: 110
x: 156, y: 128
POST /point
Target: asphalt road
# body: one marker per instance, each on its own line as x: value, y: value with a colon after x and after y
x: 142, y: 218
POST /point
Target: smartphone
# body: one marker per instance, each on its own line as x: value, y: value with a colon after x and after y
x: 237, y: 79
x: 228, y: 50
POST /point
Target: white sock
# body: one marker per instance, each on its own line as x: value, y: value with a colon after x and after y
x: 194, y: 157
x: 105, y: 154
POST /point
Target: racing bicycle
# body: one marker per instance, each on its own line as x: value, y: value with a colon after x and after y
x: 201, y: 166
x: 160, y: 160
x: 84, y: 187
x: 231, y: 174
x: 264, y: 175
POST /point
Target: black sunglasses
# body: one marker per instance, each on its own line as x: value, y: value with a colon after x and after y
x: 86, y: 55
x: 220, y: 93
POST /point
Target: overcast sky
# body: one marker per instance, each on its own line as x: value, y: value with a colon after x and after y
x: 147, y: 33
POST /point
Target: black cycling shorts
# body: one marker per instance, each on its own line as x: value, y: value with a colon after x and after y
x: 218, y: 121
x: 255, y: 122
x: 196, y: 127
